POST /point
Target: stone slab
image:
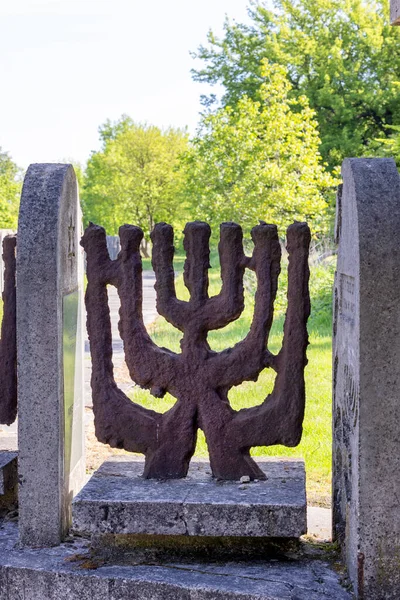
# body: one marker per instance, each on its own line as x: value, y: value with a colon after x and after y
x: 8, y: 471
x: 118, y: 500
x: 60, y: 572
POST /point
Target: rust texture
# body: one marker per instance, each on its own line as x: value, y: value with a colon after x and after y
x: 8, y: 342
x: 198, y: 377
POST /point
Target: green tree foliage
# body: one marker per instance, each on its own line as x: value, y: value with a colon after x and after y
x: 10, y: 189
x: 389, y: 147
x: 342, y: 54
x: 134, y: 179
x: 259, y: 160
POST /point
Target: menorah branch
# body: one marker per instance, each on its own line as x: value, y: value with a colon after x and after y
x: 168, y: 306
x: 228, y: 305
x: 149, y: 365
x: 248, y: 358
x: 279, y: 419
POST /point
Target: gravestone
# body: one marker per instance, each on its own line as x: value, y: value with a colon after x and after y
x: 395, y: 12
x: 50, y: 353
x: 366, y: 377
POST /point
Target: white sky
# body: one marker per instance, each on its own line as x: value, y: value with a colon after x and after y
x: 68, y: 65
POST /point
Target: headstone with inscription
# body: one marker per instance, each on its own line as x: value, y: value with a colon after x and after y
x: 50, y: 353
x: 366, y: 377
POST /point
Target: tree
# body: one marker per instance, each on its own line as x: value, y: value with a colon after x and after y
x: 259, y: 161
x: 10, y: 189
x: 389, y: 147
x: 342, y: 54
x: 134, y: 177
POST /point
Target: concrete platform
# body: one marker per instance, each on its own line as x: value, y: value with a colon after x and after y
x: 71, y: 572
x: 118, y: 500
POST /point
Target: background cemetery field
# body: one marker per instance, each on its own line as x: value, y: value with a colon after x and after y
x: 315, y: 446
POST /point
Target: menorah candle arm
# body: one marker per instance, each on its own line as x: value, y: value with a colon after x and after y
x: 99, y: 266
x: 279, y: 419
x: 118, y: 421
x: 8, y: 343
x: 162, y: 256
x: 292, y: 358
x: 246, y: 360
x: 228, y: 305
x: 195, y: 271
x: 149, y: 365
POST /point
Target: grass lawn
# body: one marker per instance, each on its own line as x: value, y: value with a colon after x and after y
x: 316, y: 443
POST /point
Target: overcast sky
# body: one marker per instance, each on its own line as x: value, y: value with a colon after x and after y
x: 68, y: 65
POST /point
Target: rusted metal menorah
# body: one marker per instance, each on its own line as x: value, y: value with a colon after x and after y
x: 8, y: 342
x: 198, y: 378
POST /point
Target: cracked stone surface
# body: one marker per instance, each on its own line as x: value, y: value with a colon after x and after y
x: 118, y: 500
x: 67, y: 572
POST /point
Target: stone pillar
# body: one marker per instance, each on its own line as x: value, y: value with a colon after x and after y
x: 395, y: 12
x: 50, y: 353
x: 366, y: 377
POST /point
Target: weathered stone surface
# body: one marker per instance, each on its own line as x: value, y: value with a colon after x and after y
x: 50, y: 574
x: 198, y: 377
x: 395, y: 12
x: 50, y: 351
x: 8, y: 471
x: 8, y: 342
x: 366, y: 377
x: 117, y: 500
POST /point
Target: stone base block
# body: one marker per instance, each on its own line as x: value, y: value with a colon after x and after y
x: 71, y: 572
x: 117, y: 500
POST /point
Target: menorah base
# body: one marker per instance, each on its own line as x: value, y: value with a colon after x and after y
x: 118, y: 501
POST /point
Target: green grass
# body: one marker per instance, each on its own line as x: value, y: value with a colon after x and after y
x: 315, y: 446
x: 178, y: 263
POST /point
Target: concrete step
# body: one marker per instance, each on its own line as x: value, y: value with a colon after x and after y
x: 72, y: 571
x: 118, y: 500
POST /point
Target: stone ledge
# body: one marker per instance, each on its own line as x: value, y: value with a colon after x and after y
x: 117, y: 500
x: 60, y: 572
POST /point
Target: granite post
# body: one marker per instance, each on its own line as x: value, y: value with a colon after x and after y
x: 366, y: 377
x: 50, y: 353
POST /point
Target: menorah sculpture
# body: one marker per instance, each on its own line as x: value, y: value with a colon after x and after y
x: 8, y: 342
x: 198, y: 378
